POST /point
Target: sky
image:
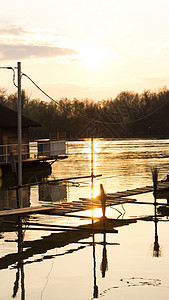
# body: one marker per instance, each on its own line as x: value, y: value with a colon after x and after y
x: 91, y: 49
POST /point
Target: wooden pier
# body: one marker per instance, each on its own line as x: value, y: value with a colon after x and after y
x: 62, y: 209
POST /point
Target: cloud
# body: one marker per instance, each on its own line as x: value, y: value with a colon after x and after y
x: 19, y: 43
x: 13, y: 31
x: 13, y: 52
x: 26, y: 43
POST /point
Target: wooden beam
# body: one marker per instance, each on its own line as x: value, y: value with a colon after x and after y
x: 26, y: 210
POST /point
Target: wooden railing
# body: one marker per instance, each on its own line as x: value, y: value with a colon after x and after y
x: 33, y: 150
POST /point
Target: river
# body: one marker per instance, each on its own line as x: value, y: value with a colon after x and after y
x: 132, y: 263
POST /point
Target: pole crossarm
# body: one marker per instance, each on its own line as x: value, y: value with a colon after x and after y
x: 13, y: 69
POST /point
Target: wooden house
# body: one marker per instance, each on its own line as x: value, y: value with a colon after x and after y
x: 9, y: 134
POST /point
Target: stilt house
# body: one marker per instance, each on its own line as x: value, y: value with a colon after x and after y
x: 9, y: 134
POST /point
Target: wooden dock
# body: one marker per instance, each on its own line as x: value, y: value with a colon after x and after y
x: 84, y: 203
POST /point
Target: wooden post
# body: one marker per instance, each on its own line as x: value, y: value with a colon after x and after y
x: 103, y: 203
x: 155, y: 180
x: 156, y: 250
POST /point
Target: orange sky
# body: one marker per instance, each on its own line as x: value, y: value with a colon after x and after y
x: 93, y: 49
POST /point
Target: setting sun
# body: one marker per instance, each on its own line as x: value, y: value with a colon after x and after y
x: 92, y: 55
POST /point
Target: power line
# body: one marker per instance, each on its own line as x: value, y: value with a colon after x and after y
x: 38, y: 87
x: 136, y: 120
x: 90, y: 119
x: 80, y: 115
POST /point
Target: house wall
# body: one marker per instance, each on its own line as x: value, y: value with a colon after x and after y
x: 1, y: 148
x: 10, y: 143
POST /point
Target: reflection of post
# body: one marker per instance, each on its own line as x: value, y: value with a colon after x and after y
x: 92, y: 155
x: 92, y: 171
x: 104, y: 263
x: 156, y: 249
x: 95, y: 291
x: 20, y: 268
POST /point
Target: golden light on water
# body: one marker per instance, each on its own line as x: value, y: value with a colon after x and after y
x: 96, y: 212
x: 96, y: 144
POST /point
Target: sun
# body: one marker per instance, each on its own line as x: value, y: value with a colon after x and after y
x: 92, y: 55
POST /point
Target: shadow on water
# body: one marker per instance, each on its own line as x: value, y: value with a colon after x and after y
x: 19, y: 264
x: 28, y: 249
x: 31, y: 174
x: 8, y: 184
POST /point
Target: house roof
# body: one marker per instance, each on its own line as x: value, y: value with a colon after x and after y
x: 9, y: 119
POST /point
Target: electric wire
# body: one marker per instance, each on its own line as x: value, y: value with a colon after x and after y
x: 94, y: 120
x: 47, y: 95
x: 80, y: 115
x: 136, y: 120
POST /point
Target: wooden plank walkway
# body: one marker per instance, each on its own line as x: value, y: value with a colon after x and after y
x: 26, y: 210
x: 84, y: 203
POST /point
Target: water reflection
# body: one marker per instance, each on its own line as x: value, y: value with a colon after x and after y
x: 65, y: 236
x: 48, y: 243
x: 52, y: 192
x: 156, y: 249
x: 9, y: 190
x: 95, y: 288
x: 31, y: 174
x: 20, y: 264
x: 104, y: 263
x: 28, y: 250
x: 46, y: 192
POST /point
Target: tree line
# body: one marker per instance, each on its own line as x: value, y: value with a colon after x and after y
x: 129, y: 115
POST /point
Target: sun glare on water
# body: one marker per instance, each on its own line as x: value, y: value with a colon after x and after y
x: 96, y: 212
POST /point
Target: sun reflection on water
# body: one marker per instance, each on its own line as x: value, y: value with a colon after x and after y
x: 96, y: 212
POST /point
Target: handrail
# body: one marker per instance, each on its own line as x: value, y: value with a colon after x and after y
x: 33, y: 150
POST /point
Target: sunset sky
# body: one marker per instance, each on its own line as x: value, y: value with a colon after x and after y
x: 89, y: 48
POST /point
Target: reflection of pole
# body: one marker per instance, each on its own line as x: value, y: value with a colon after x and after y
x: 92, y: 156
x: 20, y: 263
x: 20, y: 268
x: 92, y: 171
x: 104, y: 263
x: 156, y: 249
x: 19, y: 136
x: 95, y: 291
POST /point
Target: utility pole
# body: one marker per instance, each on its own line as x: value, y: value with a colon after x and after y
x: 19, y: 136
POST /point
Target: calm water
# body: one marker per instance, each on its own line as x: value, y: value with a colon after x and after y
x: 50, y: 266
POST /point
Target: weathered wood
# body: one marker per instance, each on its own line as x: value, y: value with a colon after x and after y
x: 85, y: 203
x: 150, y: 203
x: 26, y: 210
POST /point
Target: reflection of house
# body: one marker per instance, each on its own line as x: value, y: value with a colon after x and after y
x: 9, y: 134
x: 8, y: 198
x: 52, y: 192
